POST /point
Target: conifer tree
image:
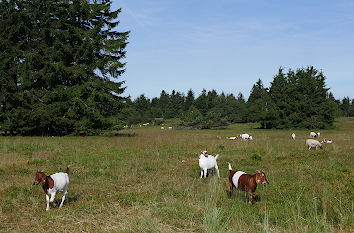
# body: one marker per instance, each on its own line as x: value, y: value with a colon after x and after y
x: 189, y: 100
x: 255, y: 105
x: 67, y: 58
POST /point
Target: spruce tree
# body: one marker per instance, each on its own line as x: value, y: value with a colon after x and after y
x: 255, y: 104
x: 67, y: 67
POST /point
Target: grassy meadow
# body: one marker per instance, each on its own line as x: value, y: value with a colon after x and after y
x: 147, y: 180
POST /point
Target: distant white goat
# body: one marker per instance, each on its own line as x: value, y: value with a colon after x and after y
x: 162, y: 127
x: 318, y: 134
x: 246, y: 136
x: 313, y: 135
x: 293, y: 136
x: 170, y: 127
x: 311, y: 143
x: 329, y: 141
x: 232, y: 138
x: 207, y: 162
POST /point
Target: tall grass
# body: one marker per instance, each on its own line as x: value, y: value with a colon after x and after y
x: 149, y: 182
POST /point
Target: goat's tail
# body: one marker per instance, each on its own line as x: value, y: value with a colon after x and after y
x: 230, y: 168
x: 216, y: 156
x: 67, y: 170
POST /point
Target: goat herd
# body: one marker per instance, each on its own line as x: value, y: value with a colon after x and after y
x: 241, y: 180
x: 237, y: 179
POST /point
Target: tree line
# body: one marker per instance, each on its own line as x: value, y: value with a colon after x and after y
x: 295, y: 99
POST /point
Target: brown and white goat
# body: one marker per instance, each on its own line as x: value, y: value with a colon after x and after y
x: 52, y: 184
x: 246, y: 182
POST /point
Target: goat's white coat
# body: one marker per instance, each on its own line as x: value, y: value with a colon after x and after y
x: 61, y: 184
x: 311, y: 143
x: 206, y: 163
x: 293, y: 136
x: 231, y: 138
x: 236, y: 177
x: 245, y: 136
x: 313, y: 135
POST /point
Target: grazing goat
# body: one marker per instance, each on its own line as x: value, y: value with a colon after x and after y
x: 207, y: 162
x: 52, y: 184
x: 311, y: 143
x: 313, y: 135
x: 293, y: 136
x: 327, y: 141
x: 246, y: 136
x: 233, y: 138
x: 246, y: 182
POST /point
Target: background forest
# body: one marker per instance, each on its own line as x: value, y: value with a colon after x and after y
x: 296, y: 99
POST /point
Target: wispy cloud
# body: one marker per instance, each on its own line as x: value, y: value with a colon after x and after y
x: 145, y: 14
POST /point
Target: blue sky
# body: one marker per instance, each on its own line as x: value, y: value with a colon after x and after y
x: 227, y: 45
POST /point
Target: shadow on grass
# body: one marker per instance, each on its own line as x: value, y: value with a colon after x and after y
x: 121, y: 135
x: 68, y: 200
x: 241, y: 195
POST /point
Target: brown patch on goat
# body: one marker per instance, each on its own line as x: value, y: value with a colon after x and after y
x: 46, y: 181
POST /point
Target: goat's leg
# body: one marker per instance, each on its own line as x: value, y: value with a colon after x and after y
x: 52, y: 197
x: 253, y: 198
x: 205, y: 172
x: 63, y: 198
x: 47, y: 198
x: 201, y: 174
x: 231, y: 190
x: 217, y: 170
x: 252, y: 195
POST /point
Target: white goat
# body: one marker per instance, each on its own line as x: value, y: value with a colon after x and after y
x: 246, y: 136
x: 293, y: 136
x: 329, y: 141
x: 311, y: 143
x: 207, y: 162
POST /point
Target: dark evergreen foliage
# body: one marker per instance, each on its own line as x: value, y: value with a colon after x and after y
x: 58, y: 60
x: 297, y: 100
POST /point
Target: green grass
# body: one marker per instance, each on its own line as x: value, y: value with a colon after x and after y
x: 148, y: 181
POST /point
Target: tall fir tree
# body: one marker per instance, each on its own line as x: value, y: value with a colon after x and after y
x: 255, y: 105
x: 189, y: 100
x: 67, y: 66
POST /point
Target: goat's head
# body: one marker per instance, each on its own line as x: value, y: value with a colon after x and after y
x: 205, y: 153
x: 40, y: 178
x: 261, y: 178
